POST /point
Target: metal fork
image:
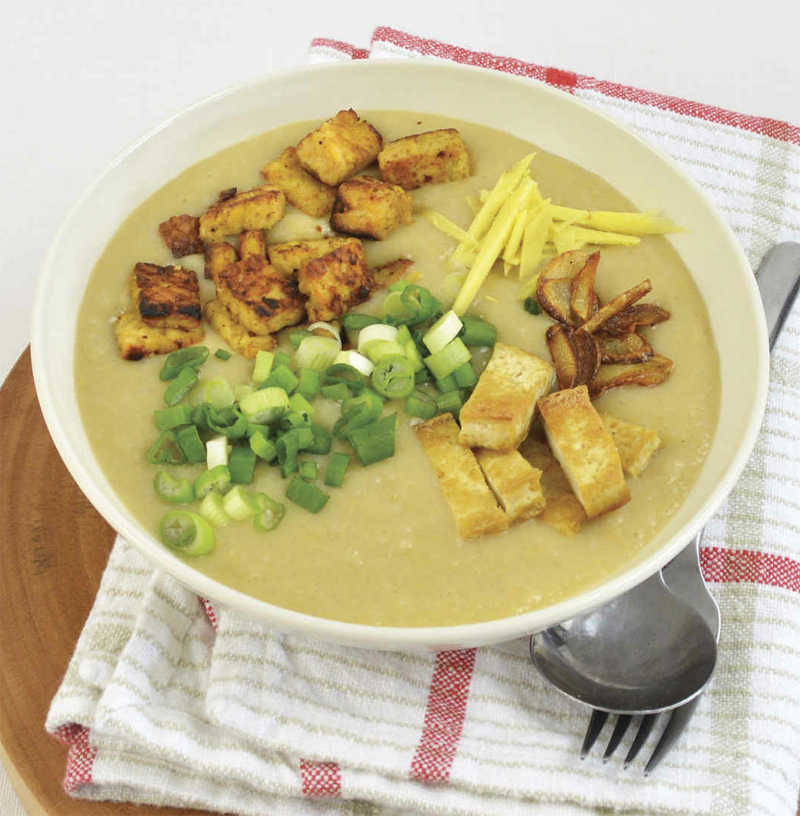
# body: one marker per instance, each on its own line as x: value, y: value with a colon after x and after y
x: 683, y: 576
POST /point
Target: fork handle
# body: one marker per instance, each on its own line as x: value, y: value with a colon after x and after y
x: 676, y: 725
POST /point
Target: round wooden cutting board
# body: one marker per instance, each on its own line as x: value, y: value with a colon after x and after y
x: 54, y: 548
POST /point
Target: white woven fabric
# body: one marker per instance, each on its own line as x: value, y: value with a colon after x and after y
x: 159, y: 707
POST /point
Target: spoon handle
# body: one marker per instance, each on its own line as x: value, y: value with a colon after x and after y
x: 778, y: 283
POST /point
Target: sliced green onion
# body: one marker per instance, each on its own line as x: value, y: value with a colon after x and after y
x: 309, y: 382
x: 413, y: 356
x: 212, y: 509
x: 305, y: 437
x: 343, y: 373
x: 218, y: 480
x: 393, y: 377
x: 403, y: 335
x: 420, y: 299
x: 228, y: 422
x: 447, y: 360
x: 243, y: 390
x: 267, y: 513
x: 298, y: 403
x: 465, y: 376
x: 181, y: 385
x: 532, y: 306
x: 308, y: 471
x: 281, y: 377
x: 166, y: 450
x: 282, y: 359
x: 398, y: 286
x: 358, y: 361
x: 187, y: 532
x: 356, y: 322
x: 216, y: 452
x: 288, y: 446
x: 265, y: 405
x: 242, y: 464
x: 237, y: 503
x: 222, y: 354
x: 167, y: 418
x: 254, y: 428
x: 376, y: 331
x: 445, y: 329
x: 191, y: 357
x: 449, y: 402
x: 447, y: 384
x: 263, y: 366
x: 317, y: 352
x: 375, y: 441
x: 336, y: 392
x: 192, y: 446
x: 327, y: 327
x: 376, y: 350
x: 297, y: 337
x: 422, y: 376
x: 477, y: 332
x: 395, y: 309
x: 295, y: 419
x: 421, y: 405
x: 308, y: 496
x: 321, y: 440
x: 262, y: 447
x: 336, y: 470
x: 218, y: 393
x: 178, y: 491
x: 358, y: 411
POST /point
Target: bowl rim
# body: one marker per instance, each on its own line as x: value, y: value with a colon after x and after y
x: 365, y: 635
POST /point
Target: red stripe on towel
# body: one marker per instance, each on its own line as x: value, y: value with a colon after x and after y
x: 321, y: 778
x: 749, y: 566
x: 338, y: 45
x: 568, y: 81
x: 80, y: 757
x: 444, y: 715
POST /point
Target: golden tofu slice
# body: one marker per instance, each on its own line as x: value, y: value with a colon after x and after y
x: 339, y: 147
x: 181, y: 234
x: 259, y: 208
x: 166, y: 296
x: 301, y: 189
x: 370, y: 208
x: 218, y: 256
x: 258, y: 297
x: 136, y: 339
x: 235, y: 334
x: 427, y: 158
x: 471, y: 502
x: 289, y: 257
x: 636, y: 445
x: 535, y: 450
x: 585, y: 450
x: 499, y: 412
x: 336, y: 282
x: 514, y: 482
x: 563, y: 512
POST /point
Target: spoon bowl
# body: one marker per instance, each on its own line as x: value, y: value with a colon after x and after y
x: 644, y: 652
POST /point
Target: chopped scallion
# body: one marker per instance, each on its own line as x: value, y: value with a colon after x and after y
x: 267, y: 513
x: 297, y: 337
x: 346, y: 374
x: 336, y: 470
x: 185, y: 381
x: 317, y: 352
x: 242, y: 464
x: 356, y: 322
x: 281, y: 377
x: 448, y: 359
x: 265, y: 405
x: 421, y: 405
x: 393, y: 377
x: 263, y: 448
x: 532, y: 306
x: 167, y: 418
x: 212, y: 510
x: 177, y: 491
x: 218, y: 480
x: 477, y: 332
x: 166, y: 450
x: 216, y: 452
x: 337, y: 392
x: 307, y: 470
x: 309, y: 382
x: 377, y: 331
x: 238, y: 503
x: 445, y: 329
x: 375, y: 441
x: 465, y: 376
x: 321, y: 440
x: 189, y: 533
x: 192, y: 446
x: 449, y: 402
x: 446, y: 384
x: 306, y: 495
x: 222, y: 354
x: 191, y: 356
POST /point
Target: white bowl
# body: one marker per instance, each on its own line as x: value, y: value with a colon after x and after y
x: 556, y: 122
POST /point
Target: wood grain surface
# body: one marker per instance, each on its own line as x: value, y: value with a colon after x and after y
x: 53, y: 550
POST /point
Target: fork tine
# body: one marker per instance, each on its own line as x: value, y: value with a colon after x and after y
x: 676, y: 725
x: 623, y: 721
x: 596, y: 723
x: 645, y: 727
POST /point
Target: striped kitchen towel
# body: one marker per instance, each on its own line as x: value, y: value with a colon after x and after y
x: 171, y: 701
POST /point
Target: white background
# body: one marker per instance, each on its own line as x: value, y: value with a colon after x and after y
x: 80, y: 80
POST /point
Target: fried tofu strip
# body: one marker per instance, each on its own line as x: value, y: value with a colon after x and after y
x: 181, y: 234
x: 301, y: 189
x: 136, y: 339
x: 218, y: 256
x: 336, y: 282
x: 259, y: 297
x: 498, y: 414
x: 427, y: 158
x: 166, y: 297
x: 471, y: 502
x: 636, y: 445
x: 585, y: 450
x: 369, y: 208
x: 514, y: 482
x: 234, y: 334
x: 289, y: 257
x: 259, y: 208
x: 339, y: 147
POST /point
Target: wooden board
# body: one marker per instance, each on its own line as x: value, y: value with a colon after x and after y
x: 53, y: 549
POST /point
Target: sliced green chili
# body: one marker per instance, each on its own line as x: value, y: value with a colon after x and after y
x: 308, y: 496
x: 166, y: 450
x: 177, y: 491
x: 336, y: 470
x: 217, y: 480
x: 393, y: 377
x: 181, y: 386
x: 191, y: 357
x: 187, y: 532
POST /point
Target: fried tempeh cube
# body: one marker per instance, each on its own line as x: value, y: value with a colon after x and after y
x: 289, y: 257
x: 584, y: 449
x: 234, y: 334
x: 498, y: 414
x: 218, y: 256
x: 339, y: 147
x: 166, y: 296
x: 636, y: 445
x: 390, y: 273
x: 259, y: 297
x: 336, y: 282
x: 426, y: 158
x: 253, y: 243
x: 301, y: 189
x: 514, y: 482
x: 136, y: 339
x: 181, y: 234
x: 471, y: 502
x: 259, y: 208
x: 370, y: 208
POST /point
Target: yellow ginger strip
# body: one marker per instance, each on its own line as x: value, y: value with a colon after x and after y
x: 515, y: 239
x: 533, y: 243
x: 592, y: 236
x: 446, y: 226
x: 627, y: 223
